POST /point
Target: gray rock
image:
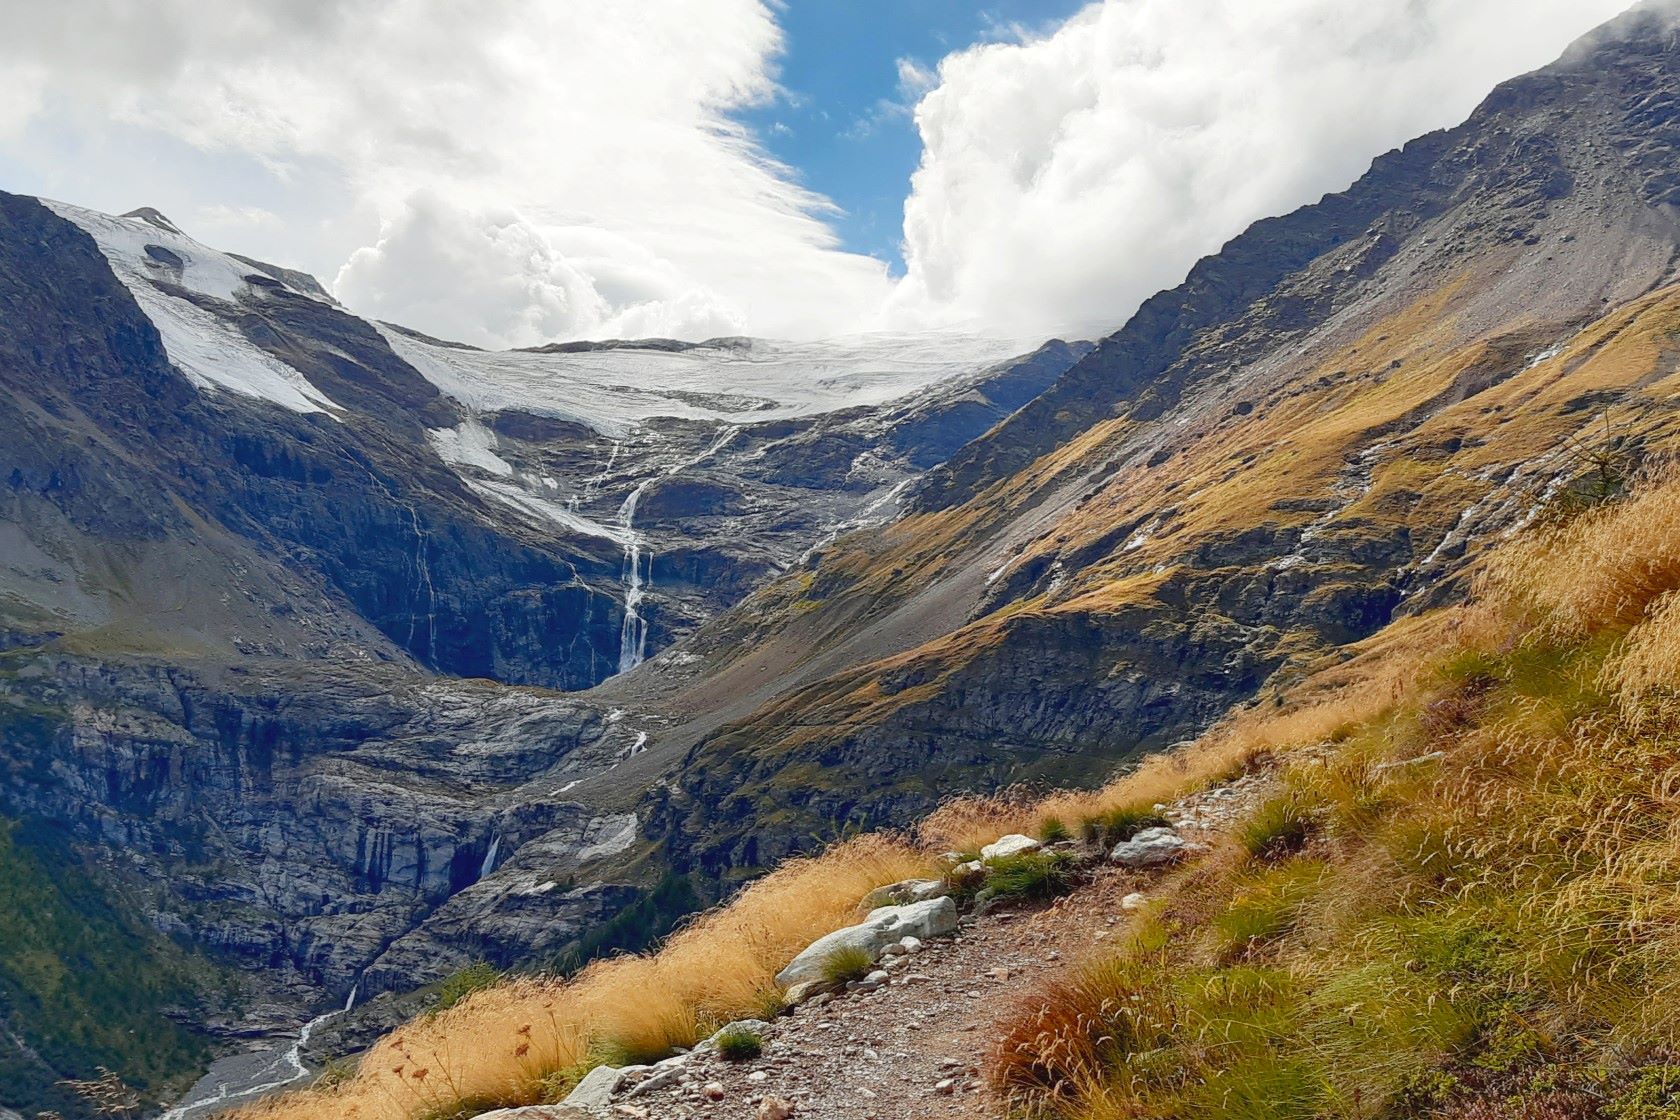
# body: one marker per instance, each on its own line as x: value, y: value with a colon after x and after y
x: 910, y: 890
x: 530, y: 1112
x: 932, y: 918
x: 1153, y: 847
x: 596, y: 1089
x: 1005, y: 846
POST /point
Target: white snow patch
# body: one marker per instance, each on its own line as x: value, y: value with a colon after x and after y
x: 608, y: 836
x: 544, y: 510
x: 470, y: 444
x: 207, y: 349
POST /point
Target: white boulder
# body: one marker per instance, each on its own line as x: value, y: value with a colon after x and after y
x: 1153, y: 847
x: 595, y: 1090
x: 1005, y: 846
x: 934, y: 917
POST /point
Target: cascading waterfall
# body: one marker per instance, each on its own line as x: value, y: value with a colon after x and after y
x: 489, y: 863
x: 632, y: 637
x: 350, y: 1000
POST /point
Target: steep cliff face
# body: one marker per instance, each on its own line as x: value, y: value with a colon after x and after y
x: 1317, y: 432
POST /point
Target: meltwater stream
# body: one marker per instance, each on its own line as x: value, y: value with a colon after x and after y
x: 241, y: 1078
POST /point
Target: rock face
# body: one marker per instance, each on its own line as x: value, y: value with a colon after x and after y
x: 922, y: 920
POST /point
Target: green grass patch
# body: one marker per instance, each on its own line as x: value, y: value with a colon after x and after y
x: 739, y: 1044
x: 459, y: 985
x: 847, y: 963
x: 1031, y: 876
x: 1120, y: 824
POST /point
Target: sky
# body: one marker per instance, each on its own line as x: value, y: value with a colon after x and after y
x: 513, y: 172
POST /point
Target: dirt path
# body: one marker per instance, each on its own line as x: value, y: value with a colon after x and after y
x: 912, y: 1049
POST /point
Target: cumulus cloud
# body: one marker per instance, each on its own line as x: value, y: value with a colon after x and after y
x: 1066, y: 178
x: 514, y: 129
x: 509, y: 172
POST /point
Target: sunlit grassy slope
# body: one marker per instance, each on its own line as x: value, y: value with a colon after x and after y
x: 1464, y: 901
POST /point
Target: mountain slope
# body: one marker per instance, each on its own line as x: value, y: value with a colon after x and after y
x: 1314, y: 435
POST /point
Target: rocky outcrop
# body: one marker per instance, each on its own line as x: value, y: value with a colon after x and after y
x: 885, y: 926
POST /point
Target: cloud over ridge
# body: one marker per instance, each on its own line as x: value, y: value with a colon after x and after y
x: 512, y: 172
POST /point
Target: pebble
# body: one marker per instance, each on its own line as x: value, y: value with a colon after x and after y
x: 712, y: 1091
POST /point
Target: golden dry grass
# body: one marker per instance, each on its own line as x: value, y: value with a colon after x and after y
x: 509, y: 1044
x: 1487, y: 897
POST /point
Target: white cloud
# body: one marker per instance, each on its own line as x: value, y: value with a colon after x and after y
x: 511, y: 171
x: 1066, y: 178
x: 501, y: 128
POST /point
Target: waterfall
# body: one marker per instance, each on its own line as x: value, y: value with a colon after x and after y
x: 350, y: 1000
x: 489, y: 863
x: 632, y: 638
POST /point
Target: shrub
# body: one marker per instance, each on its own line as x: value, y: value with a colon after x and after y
x: 739, y: 1044
x: 1652, y: 1094
x: 847, y: 963
x: 1031, y: 875
x: 1053, y: 830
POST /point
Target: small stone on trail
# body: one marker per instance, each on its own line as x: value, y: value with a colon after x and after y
x: 1133, y: 901
x: 712, y: 1091
x: 774, y: 1108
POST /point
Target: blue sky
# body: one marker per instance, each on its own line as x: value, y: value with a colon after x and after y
x: 844, y: 125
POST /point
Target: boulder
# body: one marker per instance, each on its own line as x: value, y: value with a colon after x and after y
x: 922, y: 920
x: 897, y: 894
x: 1153, y: 847
x: 596, y: 1089
x: 1005, y: 846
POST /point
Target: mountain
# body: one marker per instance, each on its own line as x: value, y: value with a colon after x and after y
x: 342, y: 657
x: 1314, y: 436
x: 285, y: 597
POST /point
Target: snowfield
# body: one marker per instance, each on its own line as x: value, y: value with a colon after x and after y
x: 208, y: 349
x: 614, y: 391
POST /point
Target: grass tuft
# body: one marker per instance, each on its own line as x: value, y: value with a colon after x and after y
x: 1031, y: 876
x: 847, y: 963
x: 739, y: 1044
x: 1278, y: 829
